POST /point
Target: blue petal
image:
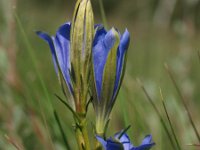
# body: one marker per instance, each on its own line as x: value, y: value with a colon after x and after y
x: 124, y: 43
x: 62, y: 48
x: 124, y: 143
x: 146, y: 144
x: 49, y: 40
x: 112, y: 145
x: 102, y: 141
x: 99, y: 35
x: 109, y: 40
x: 63, y: 39
x: 103, y: 42
x: 147, y: 140
x: 125, y: 140
x: 96, y: 26
x: 64, y: 30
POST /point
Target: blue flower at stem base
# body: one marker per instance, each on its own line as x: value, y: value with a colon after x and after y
x: 122, y: 142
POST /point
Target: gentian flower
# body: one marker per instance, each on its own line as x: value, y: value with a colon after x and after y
x: 109, y: 56
x: 60, y: 50
x: 121, y: 141
x: 71, y: 50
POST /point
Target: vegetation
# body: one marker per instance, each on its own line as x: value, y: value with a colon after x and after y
x: 162, y: 32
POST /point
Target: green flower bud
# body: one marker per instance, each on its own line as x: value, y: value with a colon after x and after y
x: 81, y: 38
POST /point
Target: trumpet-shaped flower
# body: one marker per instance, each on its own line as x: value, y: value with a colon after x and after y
x: 122, y: 142
x: 109, y: 56
x: 60, y: 50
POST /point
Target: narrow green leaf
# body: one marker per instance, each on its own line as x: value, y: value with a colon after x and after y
x: 168, y: 118
x: 69, y: 107
x: 182, y: 98
x: 93, y: 88
x: 103, y: 14
x: 34, y: 62
x: 105, y: 129
x: 158, y: 114
x: 124, y: 131
x: 61, y: 130
x: 88, y: 103
x: 196, y: 145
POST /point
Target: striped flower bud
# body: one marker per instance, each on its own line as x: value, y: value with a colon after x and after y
x: 109, y: 55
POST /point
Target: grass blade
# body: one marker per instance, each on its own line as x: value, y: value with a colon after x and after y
x: 171, y: 127
x: 158, y: 113
x: 103, y: 15
x: 124, y: 111
x: 182, y: 98
x: 69, y: 107
x: 61, y: 130
x: 13, y: 142
x: 33, y: 59
x: 196, y: 145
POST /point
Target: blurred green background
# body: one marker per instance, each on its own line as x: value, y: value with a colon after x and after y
x: 162, y: 31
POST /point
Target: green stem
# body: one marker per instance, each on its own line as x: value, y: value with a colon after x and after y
x: 82, y: 134
x: 98, y: 145
x: 85, y: 135
x: 100, y: 131
x: 79, y: 138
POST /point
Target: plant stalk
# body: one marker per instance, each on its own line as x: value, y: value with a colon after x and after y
x: 98, y: 145
x: 82, y: 134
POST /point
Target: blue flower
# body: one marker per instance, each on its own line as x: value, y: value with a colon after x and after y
x: 122, y: 142
x: 109, y: 56
x: 60, y: 50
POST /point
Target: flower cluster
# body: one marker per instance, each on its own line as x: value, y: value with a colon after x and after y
x: 90, y: 63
